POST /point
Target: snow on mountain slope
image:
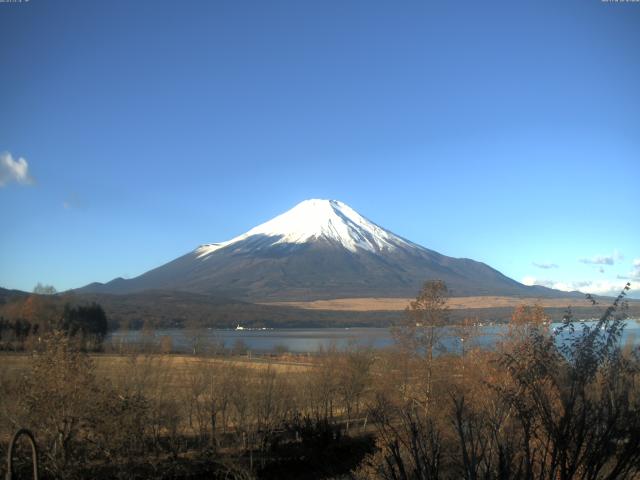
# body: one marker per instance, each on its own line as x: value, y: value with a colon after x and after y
x: 314, y: 219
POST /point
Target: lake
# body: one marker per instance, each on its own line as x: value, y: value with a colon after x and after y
x: 307, y: 340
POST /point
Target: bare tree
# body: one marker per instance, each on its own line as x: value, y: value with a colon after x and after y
x: 58, y: 398
x: 420, y: 332
x: 353, y: 379
x: 410, y: 445
x: 41, y: 289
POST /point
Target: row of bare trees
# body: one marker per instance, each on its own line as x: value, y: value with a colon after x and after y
x: 123, y: 409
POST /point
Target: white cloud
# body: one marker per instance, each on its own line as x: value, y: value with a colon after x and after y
x: 545, y: 265
x: 599, y: 287
x: 604, y: 287
x: 12, y: 170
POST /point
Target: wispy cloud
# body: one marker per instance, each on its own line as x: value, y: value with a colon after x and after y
x: 634, y: 274
x: 603, y: 259
x: 598, y: 260
x: 14, y: 170
x: 72, y: 202
x: 545, y: 265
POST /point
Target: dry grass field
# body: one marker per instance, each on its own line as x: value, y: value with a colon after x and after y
x: 454, y: 303
x: 180, y: 366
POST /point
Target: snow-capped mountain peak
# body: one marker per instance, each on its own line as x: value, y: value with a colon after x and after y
x: 320, y: 219
x: 320, y: 249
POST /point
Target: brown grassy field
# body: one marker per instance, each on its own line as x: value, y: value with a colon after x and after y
x: 454, y: 303
x: 179, y: 365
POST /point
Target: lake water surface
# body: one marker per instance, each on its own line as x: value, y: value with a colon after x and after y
x: 303, y: 340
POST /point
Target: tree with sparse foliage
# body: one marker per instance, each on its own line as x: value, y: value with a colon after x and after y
x: 420, y: 332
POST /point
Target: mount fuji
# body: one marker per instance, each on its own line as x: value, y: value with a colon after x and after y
x: 320, y: 249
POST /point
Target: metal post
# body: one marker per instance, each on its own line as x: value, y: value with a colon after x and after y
x: 34, y: 453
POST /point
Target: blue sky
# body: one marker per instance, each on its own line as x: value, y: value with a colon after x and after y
x: 507, y: 132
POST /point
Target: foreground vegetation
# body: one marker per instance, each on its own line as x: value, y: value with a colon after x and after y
x: 531, y: 408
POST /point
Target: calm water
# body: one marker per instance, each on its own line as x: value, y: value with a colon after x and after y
x: 307, y: 339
